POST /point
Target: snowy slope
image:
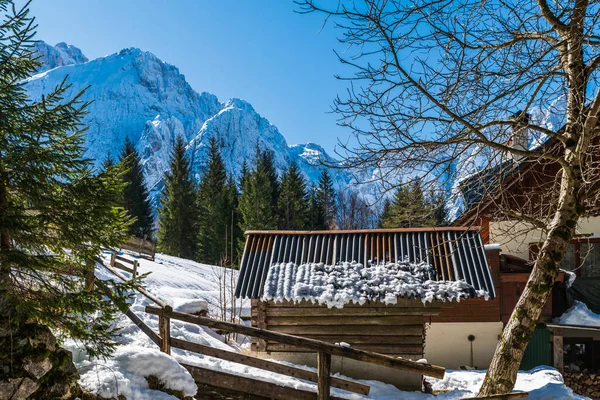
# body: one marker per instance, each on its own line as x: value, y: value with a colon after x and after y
x: 185, y: 285
x: 139, y: 96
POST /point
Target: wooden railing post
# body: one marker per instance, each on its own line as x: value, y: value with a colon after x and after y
x: 324, y: 373
x: 113, y: 258
x: 164, y: 329
x: 135, y: 268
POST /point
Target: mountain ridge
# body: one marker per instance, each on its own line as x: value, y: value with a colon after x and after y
x: 138, y: 95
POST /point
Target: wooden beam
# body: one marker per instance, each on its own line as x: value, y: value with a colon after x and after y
x: 392, y: 230
x: 557, y: 349
x: 336, y: 320
x: 124, y: 259
x: 164, y: 328
x: 324, y: 372
x: 131, y: 315
x: 355, y: 354
x: 268, y: 365
x: 139, y: 288
x: 352, y: 311
x: 408, y: 330
x: 507, y: 396
x: 247, y: 385
x: 123, y: 267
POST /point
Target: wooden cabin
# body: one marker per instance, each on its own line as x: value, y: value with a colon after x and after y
x: 299, y: 283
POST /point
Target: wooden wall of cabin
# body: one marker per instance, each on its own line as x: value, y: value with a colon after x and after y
x: 388, y: 329
x: 477, y: 309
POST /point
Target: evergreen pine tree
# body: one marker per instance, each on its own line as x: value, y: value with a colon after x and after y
x: 135, y: 195
x: 265, y: 165
x: 440, y: 212
x: 385, y: 213
x: 410, y: 208
x: 327, y: 199
x: 293, y: 202
x: 109, y: 162
x: 56, y: 213
x: 316, y: 219
x: 244, y: 174
x: 258, y: 203
x: 216, y: 201
x: 177, y: 220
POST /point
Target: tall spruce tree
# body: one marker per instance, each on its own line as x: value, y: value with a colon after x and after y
x: 178, y: 215
x: 322, y: 204
x: 258, y: 201
x: 265, y: 165
x: 216, y: 202
x: 385, y: 213
x: 56, y: 215
x: 316, y: 219
x: 327, y: 199
x: 135, y: 195
x: 410, y: 208
x: 109, y: 162
x: 293, y: 202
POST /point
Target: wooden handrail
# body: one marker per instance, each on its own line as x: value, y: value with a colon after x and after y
x: 140, y: 289
x: 268, y: 365
x: 316, y: 345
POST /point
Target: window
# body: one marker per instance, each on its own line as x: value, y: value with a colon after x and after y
x: 590, y: 259
x: 583, y: 257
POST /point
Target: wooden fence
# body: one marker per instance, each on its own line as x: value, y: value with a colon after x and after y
x: 143, y: 247
x: 324, y: 352
x: 117, y: 261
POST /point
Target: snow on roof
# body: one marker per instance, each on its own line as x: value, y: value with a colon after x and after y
x: 580, y: 315
x: 340, y: 284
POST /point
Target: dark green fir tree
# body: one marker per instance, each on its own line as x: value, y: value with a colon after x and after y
x: 56, y: 215
x: 258, y: 201
x: 316, y: 219
x: 216, y: 202
x: 178, y: 215
x: 293, y: 201
x: 327, y: 199
x: 385, y: 213
x: 411, y: 208
x: 135, y: 195
x: 109, y: 162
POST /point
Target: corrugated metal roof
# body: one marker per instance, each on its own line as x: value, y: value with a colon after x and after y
x: 455, y: 253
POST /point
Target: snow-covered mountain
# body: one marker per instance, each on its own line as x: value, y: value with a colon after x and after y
x: 137, y: 95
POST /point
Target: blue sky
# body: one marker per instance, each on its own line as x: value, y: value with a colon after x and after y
x: 258, y: 50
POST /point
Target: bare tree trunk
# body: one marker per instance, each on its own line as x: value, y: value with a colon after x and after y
x: 502, y: 373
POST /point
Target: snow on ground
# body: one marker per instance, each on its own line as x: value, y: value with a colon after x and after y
x: 543, y: 383
x: 348, y: 282
x: 579, y: 314
x: 125, y: 373
x: 190, y: 286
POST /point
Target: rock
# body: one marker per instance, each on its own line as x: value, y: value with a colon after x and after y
x: 37, y: 367
x: 45, y: 338
x: 17, y: 388
x: 32, y: 366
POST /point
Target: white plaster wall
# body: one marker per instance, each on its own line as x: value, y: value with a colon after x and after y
x: 446, y: 343
x: 515, y: 237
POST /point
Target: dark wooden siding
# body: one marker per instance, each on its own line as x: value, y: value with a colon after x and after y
x: 388, y: 329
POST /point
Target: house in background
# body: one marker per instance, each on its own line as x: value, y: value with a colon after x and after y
x: 568, y: 346
x: 392, y: 291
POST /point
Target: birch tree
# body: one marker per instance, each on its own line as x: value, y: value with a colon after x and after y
x: 431, y: 82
